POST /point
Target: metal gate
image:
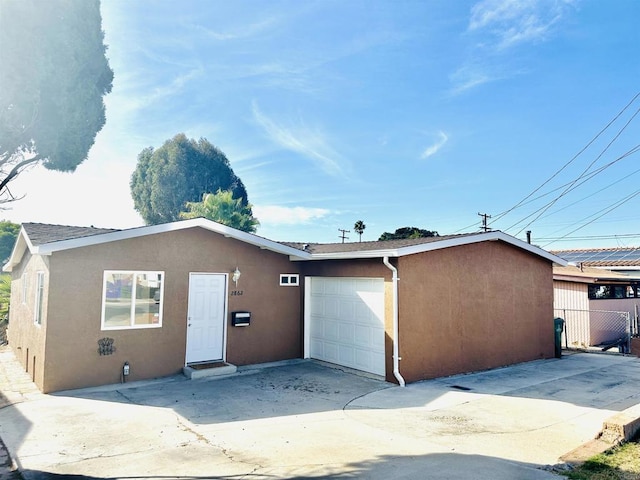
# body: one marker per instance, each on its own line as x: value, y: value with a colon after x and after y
x: 584, y: 329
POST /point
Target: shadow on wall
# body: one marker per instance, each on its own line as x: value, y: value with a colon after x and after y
x: 432, y: 466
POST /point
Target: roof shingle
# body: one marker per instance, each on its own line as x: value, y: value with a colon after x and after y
x: 367, y: 246
x: 42, y: 233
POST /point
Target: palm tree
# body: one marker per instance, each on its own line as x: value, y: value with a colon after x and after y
x: 223, y: 208
x: 359, y: 228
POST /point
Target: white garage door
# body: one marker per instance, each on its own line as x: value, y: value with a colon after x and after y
x: 345, y: 322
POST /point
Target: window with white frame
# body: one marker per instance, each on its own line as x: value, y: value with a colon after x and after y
x: 289, y: 279
x: 39, y: 298
x: 132, y: 299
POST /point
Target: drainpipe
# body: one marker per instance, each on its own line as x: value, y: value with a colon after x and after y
x: 396, y: 357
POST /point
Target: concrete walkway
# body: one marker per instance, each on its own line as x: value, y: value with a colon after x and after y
x: 306, y: 421
x: 15, y: 387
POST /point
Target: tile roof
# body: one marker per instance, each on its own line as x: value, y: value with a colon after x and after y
x: 42, y: 233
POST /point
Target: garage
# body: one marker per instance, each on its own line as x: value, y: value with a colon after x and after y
x: 344, y: 322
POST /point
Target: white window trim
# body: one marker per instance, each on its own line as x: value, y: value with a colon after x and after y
x: 133, y: 303
x: 39, y: 300
x: 289, y: 277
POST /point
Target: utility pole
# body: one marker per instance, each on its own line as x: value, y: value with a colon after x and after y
x: 343, y: 234
x: 484, y: 227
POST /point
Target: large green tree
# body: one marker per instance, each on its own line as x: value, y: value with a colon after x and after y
x: 223, y: 208
x: 53, y: 76
x: 408, y: 232
x: 8, y: 234
x: 182, y: 170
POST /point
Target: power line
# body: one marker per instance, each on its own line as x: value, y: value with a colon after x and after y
x: 567, y: 238
x: 594, y: 193
x: 604, y: 212
x: 615, y: 118
x: 586, y: 179
x: 343, y: 234
x: 570, y: 188
x: 573, y: 185
x: 484, y: 217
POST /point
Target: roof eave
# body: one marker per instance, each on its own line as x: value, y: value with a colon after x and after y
x: 438, y: 245
x: 210, y: 225
x: 23, y: 243
x: 352, y: 255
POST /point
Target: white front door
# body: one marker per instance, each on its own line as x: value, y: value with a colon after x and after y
x: 206, y: 317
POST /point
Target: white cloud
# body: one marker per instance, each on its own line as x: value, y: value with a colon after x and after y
x: 276, y: 215
x: 300, y: 139
x: 512, y: 22
x: 246, y: 30
x: 130, y: 98
x: 466, y: 79
x: 498, y: 26
x: 436, y: 146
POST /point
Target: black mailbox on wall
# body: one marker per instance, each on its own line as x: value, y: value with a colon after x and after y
x: 240, y: 319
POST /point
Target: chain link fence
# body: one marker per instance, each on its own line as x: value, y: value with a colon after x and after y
x: 604, y: 329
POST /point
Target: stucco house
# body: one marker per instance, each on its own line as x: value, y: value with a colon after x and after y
x: 600, y: 306
x: 96, y: 306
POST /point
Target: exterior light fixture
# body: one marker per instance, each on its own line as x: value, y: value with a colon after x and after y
x: 236, y: 276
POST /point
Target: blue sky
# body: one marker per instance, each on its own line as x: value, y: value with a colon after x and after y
x: 396, y: 113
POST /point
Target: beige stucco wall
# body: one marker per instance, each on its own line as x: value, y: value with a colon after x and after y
x: 461, y: 309
x: 75, y: 303
x: 473, y: 307
x: 26, y: 338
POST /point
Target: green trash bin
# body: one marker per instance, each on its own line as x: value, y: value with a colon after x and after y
x: 558, y: 324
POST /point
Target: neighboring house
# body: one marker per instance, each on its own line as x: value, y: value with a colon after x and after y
x: 86, y: 302
x: 588, y: 299
x: 624, y: 260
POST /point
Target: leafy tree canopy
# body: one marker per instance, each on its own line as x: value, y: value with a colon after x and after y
x: 225, y: 209
x: 5, y: 299
x: 8, y: 234
x: 408, y: 232
x: 54, y: 75
x: 182, y: 170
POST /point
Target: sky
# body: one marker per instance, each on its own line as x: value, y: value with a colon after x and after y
x: 397, y: 113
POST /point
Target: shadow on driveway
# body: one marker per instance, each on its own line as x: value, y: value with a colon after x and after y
x: 586, y: 380
x: 435, y: 466
x: 307, y: 420
x: 301, y: 388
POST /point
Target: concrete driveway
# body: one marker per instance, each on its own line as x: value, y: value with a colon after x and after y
x: 305, y: 420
